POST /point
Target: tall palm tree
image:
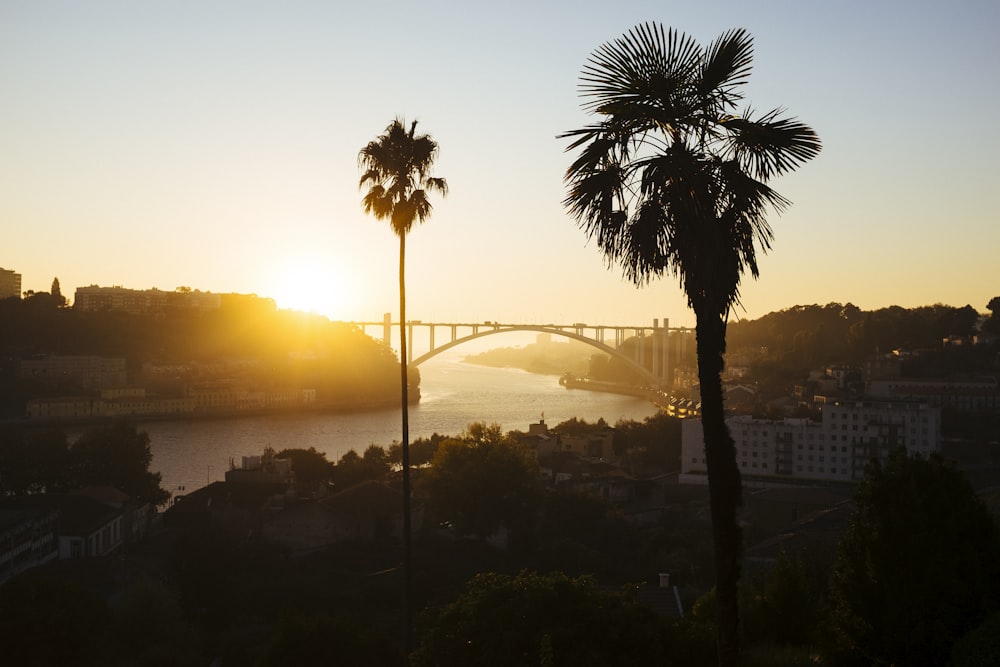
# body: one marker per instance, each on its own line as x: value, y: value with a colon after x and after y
x: 672, y: 179
x: 397, y: 168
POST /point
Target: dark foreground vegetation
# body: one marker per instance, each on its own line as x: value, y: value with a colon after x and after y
x: 511, y: 568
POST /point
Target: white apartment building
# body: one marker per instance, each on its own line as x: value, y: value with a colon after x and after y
x: 837, y: 448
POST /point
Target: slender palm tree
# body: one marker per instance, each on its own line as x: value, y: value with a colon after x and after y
x: 397, y: 169
x: 672, y: 179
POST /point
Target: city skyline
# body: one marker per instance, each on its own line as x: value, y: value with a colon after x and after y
x: 216, y: 147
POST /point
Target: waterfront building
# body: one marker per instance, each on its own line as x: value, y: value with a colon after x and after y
x: 837, y: 448
x: 87, y: 370
x: 10, y: 284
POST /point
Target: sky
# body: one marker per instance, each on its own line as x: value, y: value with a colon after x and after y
x: 213, y: 144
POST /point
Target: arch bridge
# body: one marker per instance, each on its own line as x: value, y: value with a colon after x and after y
x: 609, y: 339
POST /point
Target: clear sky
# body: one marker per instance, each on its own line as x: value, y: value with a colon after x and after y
x: 213, y: 144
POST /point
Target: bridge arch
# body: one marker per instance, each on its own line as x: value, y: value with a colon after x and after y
x: 500, y: 329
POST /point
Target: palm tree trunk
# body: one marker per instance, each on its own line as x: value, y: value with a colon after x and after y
x: 405, y: 445
x: 725, y: 492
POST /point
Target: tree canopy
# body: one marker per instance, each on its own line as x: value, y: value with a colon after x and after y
x: 483, y: 481
x: 533, y: 619
x: 919, y: 565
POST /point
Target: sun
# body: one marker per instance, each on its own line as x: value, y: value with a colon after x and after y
x: 311, y: 285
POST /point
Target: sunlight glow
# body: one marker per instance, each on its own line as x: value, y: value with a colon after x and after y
x: 312, y: 285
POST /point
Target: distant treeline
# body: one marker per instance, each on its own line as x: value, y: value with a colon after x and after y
x: 288, y: 348
x: 846, y: 332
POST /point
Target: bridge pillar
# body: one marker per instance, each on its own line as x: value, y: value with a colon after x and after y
x: 431, y: 327
x: 665, y: 377
x: 655, y: 361
x: 387, y: 330
x: 409, y: 340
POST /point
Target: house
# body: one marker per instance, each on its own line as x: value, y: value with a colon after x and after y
x: 137, y: 517
x: 87, y: 527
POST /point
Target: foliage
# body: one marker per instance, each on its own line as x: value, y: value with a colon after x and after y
x: 34, y: 461
x: 653, y: 443
x: 322, y: 640
x: 784, y: 607
x: 421, y: 450
x: 919, y: 565
x: 532, y: 619
x: 579, y: 534
x: 117, y: 454
x: 309, y: 465
x: 483, y: 481
x: 992, y: 324
x: 352, y: 469
x: 980, y: 646
x: 148, y: 628
x: 48, y: 621
x: 577, y: 426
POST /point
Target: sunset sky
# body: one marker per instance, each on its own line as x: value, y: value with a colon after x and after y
x: 213, y: 144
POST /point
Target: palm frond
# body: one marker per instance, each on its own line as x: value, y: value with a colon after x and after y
x: 727, y: 64
x: 771, y: 145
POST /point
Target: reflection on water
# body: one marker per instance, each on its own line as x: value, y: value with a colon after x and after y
x: 453, y: 395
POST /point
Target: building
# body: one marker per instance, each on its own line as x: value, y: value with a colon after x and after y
x: 28, y: 538
x: 975, y: 394
x: 88, y: 371
x: 87, y: 527
x: 837, y: 448
x: 97, y: 298
x: 10, y: 284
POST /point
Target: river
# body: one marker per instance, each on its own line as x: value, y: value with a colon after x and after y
x: 453, y: 394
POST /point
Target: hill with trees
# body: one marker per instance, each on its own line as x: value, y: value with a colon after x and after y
x: 246, y: 340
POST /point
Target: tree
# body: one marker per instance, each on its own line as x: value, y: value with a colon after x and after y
x: 117, y: 454
x: 535, y: 619
x: 56, y: 292
x: 993, y: 323
x: 483, y: 482
x: 672, y: 179
x: 397, y: 168
x: 919, y: 565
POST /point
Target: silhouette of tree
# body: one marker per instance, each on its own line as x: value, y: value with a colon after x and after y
x: 117, y: 454
x: 397, y: 168
x: 672, y: 179
x: 919, y: 565
x: 993, y: 323
x: 57, y: 292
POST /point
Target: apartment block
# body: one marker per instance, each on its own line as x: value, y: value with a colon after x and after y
x: 10, y: 284
x: 837, y: 448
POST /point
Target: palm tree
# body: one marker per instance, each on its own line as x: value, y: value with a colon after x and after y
x: 672, y: 179
x: 397, y: 173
